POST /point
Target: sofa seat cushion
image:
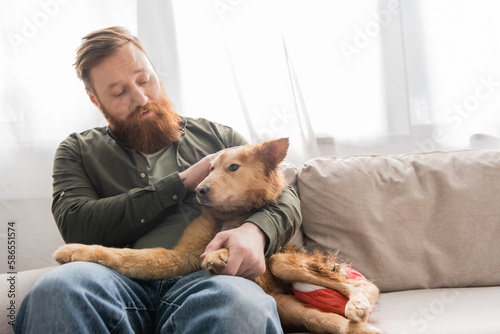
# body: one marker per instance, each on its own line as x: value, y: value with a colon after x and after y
x: 12, y: 297
x: 439, y: 311
x: 425, y: 220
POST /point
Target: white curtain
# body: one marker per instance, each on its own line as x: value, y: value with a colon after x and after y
x: 275, y: 68
x: 42, y: 102
x: 364, y: 77
x: 453, y: 69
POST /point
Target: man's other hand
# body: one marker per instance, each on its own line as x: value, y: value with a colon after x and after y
x: 246, y: 250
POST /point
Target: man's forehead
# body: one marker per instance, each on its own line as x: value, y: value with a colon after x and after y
x: 129, y: 59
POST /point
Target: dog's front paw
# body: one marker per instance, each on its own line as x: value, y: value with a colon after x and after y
x: 358, y: 309
x: 72, y: 253
x: 215, y: 262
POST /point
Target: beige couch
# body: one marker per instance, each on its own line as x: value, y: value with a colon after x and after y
x: 424, y: 227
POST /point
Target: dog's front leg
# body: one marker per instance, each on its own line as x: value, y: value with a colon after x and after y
x: 153, y: 263
x: 144, y: 264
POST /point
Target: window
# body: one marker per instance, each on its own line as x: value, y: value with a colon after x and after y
x: 453, y: 68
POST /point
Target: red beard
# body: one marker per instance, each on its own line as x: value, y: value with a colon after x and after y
x: 149, y: 135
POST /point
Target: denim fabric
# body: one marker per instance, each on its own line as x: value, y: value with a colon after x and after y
x: 85, y: 297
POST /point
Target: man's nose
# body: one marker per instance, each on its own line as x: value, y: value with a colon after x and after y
x: 139, y: 97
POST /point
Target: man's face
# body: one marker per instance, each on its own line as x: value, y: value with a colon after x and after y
x: 124, y: 82
x: 130, y: 96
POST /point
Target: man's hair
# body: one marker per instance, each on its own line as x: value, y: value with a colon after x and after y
x: 99, y: 45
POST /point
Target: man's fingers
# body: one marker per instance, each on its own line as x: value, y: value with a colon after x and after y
x: 217, y: 243
x: 245, y: 245
x: 235, y: 259
x: 233, y: 265
x: 252, y: 271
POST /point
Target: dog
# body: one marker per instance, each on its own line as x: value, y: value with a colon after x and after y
x: 242, y: 180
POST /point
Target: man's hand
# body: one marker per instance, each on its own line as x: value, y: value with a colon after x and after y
x: 197, y: 172
x: 246, y: 250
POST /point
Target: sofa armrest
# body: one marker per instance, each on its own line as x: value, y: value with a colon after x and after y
x: 13, y: 289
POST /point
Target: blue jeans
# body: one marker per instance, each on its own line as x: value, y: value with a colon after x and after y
x: 85, y: 297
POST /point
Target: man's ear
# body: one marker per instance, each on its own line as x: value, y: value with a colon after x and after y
x: 272, y: 152
x: 93, y: 99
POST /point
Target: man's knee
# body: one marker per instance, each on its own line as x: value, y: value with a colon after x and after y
x: 218, y: 304
x: 69, y: 277
x: 68, y: 294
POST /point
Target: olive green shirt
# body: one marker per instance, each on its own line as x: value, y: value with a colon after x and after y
x: 103, y: 195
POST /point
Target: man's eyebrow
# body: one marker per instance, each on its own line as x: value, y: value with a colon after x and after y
x: 140, y: 70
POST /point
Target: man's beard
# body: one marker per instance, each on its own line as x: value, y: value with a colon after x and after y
x: 149, y: 135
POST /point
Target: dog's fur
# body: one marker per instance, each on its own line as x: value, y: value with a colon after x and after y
x: 242, y: 180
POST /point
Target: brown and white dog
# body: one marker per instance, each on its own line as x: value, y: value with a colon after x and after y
x: 242, y: 180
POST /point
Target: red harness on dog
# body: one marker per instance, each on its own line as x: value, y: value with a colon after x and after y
x: 324, y: 299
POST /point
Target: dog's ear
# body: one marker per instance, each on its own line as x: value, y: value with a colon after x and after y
x: 272, y: 152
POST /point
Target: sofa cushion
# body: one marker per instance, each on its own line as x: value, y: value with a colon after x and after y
x: 439, y: 311
x: 424, y: 220
x: 23, y: 281
x: 290, y: 172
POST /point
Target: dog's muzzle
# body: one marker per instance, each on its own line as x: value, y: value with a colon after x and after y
x: 202, y: 194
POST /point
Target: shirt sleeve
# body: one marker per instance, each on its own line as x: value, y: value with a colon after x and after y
x: 83, y: 216
x: 279, y: 221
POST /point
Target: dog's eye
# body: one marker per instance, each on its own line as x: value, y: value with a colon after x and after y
x: 233, y: 167
x: 212, y: 169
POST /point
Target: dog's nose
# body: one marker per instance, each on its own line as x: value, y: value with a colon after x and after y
x: 202, y: 191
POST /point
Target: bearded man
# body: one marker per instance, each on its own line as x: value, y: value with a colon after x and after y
x: 131, y: 184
